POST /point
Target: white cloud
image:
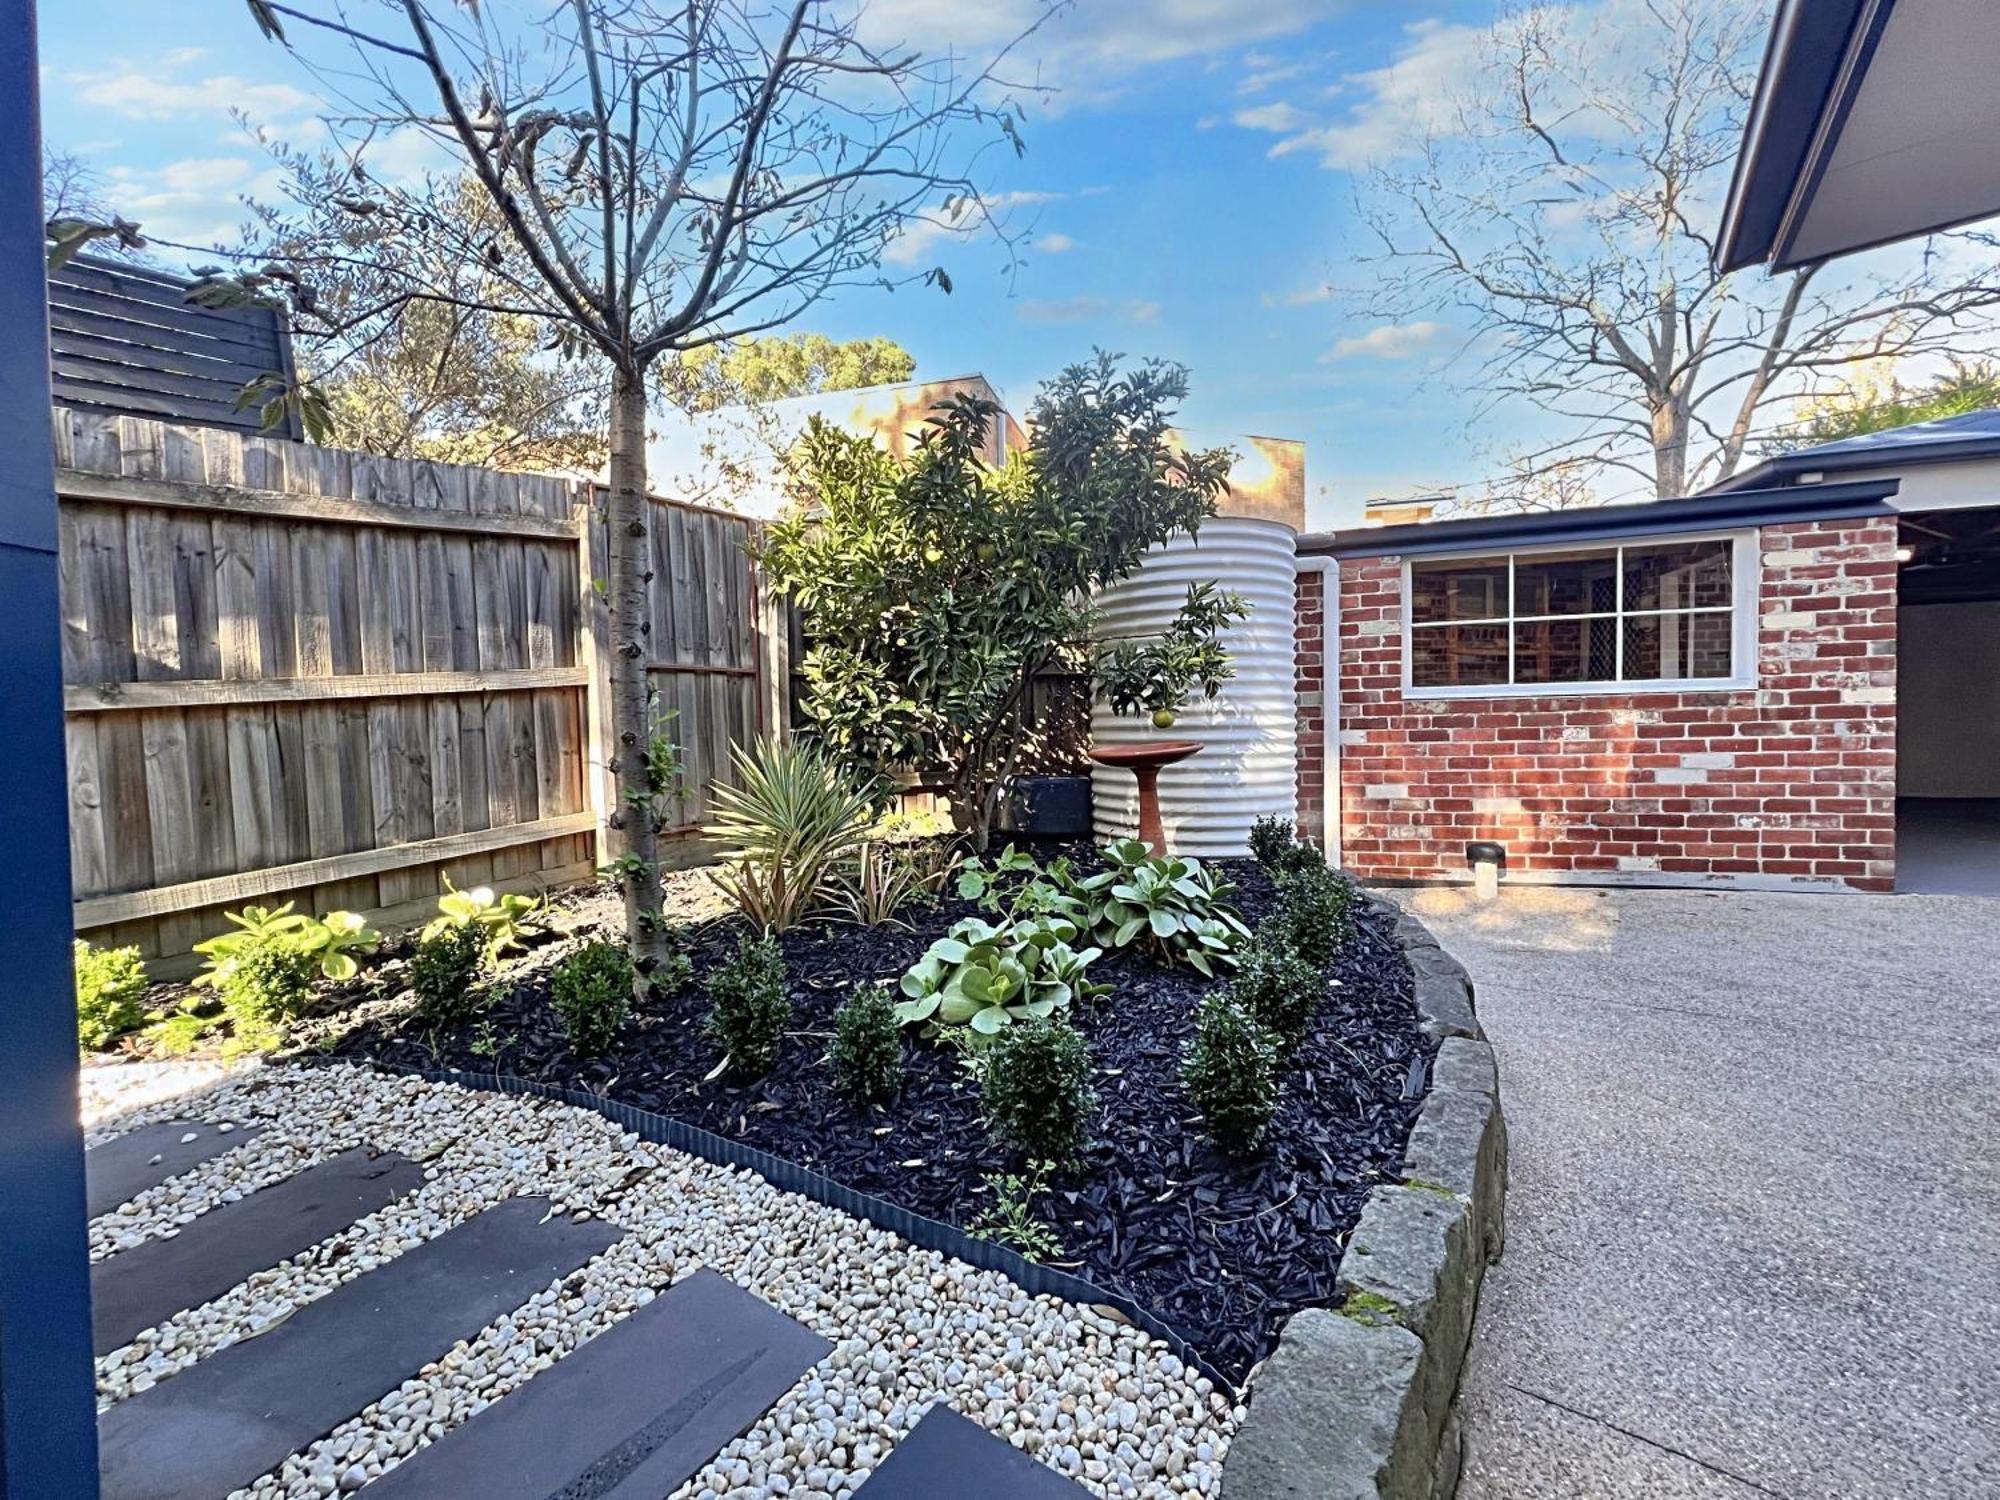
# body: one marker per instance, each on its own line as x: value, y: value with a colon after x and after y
x: 193, y: 201
x: 1398, y: 106
x: 205, y: 174
x: 406, y: 155
x: 1324, y: 292
x: 1055, y: 244
x: 923, y: 235
x: 1089, y: 48
x: 1389, y: 341
x: 148, y: 94
x: 1088, y: 309
x: 1280, y: 117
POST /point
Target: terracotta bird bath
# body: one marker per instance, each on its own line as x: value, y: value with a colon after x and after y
x: 1144, y: 759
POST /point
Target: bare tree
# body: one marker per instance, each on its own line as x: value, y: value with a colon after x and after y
x: 1532, y: 483
x: 1565, y: 212
x: 665, y: 176
x: 77, y: 216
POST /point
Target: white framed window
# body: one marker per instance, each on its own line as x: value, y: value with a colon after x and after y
x: 1659, y: 614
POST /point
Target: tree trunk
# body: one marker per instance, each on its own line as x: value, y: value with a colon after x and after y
x: 1670, y: 449
x: 636, y: 819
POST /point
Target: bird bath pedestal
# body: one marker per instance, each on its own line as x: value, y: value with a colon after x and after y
x: 1144, y: 760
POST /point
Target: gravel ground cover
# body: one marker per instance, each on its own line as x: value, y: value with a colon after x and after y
x: 1223, y: 1249
x: 1083, y: 1392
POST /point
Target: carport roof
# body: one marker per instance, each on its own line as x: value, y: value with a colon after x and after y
x: 1698, y: 513
x: 1970, y: 435
x: 1874, y: 121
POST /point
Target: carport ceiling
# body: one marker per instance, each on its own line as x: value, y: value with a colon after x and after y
x: 1954, y: 556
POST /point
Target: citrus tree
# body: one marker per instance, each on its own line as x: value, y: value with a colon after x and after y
x: 934, y: 589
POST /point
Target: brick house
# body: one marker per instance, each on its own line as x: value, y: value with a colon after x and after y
x: 1690, y: 692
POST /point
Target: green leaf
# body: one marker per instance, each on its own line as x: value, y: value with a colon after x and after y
x: 956, y: 1010
x: 989, y: 1021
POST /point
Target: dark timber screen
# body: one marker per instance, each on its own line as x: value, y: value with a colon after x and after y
x: 124, y: 339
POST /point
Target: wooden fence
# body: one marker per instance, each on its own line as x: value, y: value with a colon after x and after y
x: 298, y: 673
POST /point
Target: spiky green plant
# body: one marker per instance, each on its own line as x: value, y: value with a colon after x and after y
x: 787, y: 826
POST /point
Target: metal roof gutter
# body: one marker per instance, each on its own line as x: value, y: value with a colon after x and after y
x: 1711, y: 512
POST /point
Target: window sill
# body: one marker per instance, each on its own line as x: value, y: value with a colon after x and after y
x: 1585, y: 689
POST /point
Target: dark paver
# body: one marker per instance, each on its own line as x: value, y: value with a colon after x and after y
x: 121, y: 1169
x: 946, y: 1454
x: 632, y: 1414
x: 219, y: 1424
x: 139, y: 1287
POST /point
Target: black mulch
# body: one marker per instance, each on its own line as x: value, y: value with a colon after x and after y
x: 1224, y: 1250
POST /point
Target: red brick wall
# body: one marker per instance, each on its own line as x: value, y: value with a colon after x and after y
x: 1310, y: 632
x: 1792, y: 781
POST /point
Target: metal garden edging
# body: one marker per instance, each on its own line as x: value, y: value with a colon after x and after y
x: 927, y: 1234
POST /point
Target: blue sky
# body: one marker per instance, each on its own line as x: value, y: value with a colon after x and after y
x: 1189, y: 192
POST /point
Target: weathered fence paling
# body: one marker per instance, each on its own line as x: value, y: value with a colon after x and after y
x: 301, y: 673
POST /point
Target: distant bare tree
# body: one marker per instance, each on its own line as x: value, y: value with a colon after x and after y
x: 1566, y: 212
x: 665, y: 174
x: 1532, y: 483
x: 74, y: 207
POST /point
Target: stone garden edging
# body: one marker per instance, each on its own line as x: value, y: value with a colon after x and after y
x: 1356, y: 1403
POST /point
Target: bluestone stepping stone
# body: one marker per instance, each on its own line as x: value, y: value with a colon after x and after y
x: 632, y: 1414
x: 217, y: 1425
x: 121, y: 1169
x: 946, y: 1454
x: 152, y: 1281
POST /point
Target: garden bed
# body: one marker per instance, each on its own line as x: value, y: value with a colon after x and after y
x: 1222, y: 1249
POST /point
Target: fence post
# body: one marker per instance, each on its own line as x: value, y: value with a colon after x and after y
x: 593, y: 554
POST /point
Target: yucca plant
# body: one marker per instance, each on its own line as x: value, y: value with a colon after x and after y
x: 882, y: 879
x: 786, y: 827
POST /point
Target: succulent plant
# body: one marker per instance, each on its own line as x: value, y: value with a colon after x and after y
x: 1171, y: 905
x: 986, y: 976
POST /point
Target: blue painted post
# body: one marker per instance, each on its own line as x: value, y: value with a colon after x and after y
x: 48, y: 1428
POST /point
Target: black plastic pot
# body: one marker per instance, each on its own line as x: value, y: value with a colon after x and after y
x: 1048, y: 806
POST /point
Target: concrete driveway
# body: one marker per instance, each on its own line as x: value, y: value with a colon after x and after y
x: 1754, y: 1219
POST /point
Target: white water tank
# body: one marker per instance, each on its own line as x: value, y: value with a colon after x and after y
x: 1248, y: 765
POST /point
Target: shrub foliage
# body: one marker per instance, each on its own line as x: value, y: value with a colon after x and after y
x: 1230, y: 1073
x: 1269, y: 839
x: 591, y: 991
x: 1276, y: 986
x: 445, y: 971
x: 748, y: 1009
x: 109, y: 984
x: 867, y: 1049
x: 1315, y: 916
x: 1036, y: 1091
